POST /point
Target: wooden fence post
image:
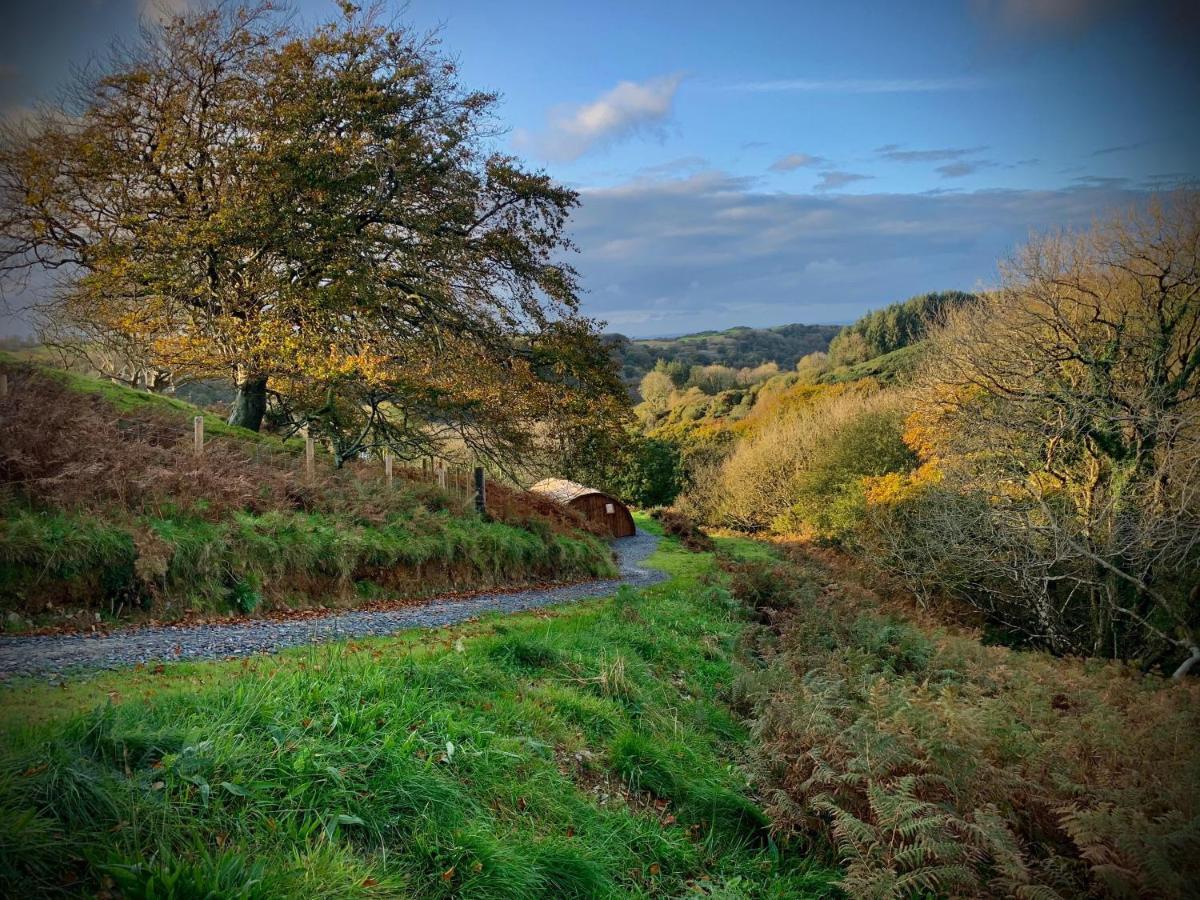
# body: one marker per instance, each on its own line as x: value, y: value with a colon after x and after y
x: 310, y: 457
x: 480, y: 490
x: 387, y: 467
x: 3, y: 384
x: 198, y: 435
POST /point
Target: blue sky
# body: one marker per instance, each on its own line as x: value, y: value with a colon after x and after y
x: 768, y: 162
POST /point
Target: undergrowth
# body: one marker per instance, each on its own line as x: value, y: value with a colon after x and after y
x: 583, y: 753
x: 935, y: 765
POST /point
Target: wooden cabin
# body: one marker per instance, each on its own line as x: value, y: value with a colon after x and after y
x: 603, y: 510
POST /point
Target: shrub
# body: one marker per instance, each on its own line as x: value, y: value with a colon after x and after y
x: 678, y: 525
x: 803, y: 469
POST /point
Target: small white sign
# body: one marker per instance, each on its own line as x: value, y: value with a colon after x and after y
x: 608, y: 508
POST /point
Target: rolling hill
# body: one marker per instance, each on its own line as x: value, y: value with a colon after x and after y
x: 738, y: 348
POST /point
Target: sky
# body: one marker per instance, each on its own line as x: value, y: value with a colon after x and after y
x: 762, y: 162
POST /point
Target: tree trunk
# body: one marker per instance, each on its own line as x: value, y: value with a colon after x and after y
x: 250, y: 403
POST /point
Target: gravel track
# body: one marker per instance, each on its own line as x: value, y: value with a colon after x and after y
x: 54, y: 654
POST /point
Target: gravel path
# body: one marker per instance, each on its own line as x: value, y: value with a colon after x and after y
x: 52, y: 654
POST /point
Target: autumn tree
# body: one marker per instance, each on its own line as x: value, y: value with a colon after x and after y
x: 314, y: 214
x: 811, y: 366
x: 656, y: 387
x: 1063, y: 412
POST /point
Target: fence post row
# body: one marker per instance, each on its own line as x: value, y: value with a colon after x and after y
x: 441, y: 472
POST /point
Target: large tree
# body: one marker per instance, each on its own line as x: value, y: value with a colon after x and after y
x: 1063, y: 414
x: 316, y: 215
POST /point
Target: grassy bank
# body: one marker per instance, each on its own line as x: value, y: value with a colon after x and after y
x: 584, y: 752
x: 764, y: 724
x: 106, y: 514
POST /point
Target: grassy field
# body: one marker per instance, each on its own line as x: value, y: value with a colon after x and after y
x: 584, y: 752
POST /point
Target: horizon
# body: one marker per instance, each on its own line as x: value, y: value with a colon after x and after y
x: 767, y: 165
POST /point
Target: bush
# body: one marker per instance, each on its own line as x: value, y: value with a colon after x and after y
x: 678, y: 525
x: 830, y: 494
x: 802, y: 471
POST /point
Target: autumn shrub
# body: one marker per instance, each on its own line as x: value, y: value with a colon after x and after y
x: 935, y: 765
x: 831, y: 491
x: 1061, y: 415
x: 803, y: 470
x: 679, y: 525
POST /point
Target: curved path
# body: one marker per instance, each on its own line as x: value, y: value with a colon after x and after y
x: 39, y: 655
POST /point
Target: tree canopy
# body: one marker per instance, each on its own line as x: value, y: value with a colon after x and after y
x: 317, y: 215
x: 897, y: 325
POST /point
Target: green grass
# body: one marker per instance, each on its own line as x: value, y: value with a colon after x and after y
x: 175, y: 561
x: 128, y: 400
x: 584, y: 752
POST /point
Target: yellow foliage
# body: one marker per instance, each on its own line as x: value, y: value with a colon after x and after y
x: 897, y: 487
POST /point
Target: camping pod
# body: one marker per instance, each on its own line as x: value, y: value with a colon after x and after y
x: 608, y: 514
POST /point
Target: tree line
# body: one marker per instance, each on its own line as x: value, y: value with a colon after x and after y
x: 1039, y: 466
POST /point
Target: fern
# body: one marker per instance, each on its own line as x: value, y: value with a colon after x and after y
x: 976, y: 782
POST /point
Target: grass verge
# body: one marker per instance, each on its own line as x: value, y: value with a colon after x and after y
x: 583, y: 752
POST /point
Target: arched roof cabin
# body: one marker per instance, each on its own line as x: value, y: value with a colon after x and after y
x: 606, y: 512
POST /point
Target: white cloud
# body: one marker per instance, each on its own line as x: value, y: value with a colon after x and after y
x: 896, y: 153
x: 712, y: 250
x: 860, y: 85
x: 796, y: 161
x: 963, y: 167
x: 831, y: 181
x: 629, y: 108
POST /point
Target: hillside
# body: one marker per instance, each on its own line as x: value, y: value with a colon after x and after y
x: 109, y: 518
x: 737, y: 348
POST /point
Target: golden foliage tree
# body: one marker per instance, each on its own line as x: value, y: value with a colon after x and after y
x: 314, y: 214
x: 1065, y: 410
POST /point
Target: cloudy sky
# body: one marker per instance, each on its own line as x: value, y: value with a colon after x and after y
x: 768, y: 162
